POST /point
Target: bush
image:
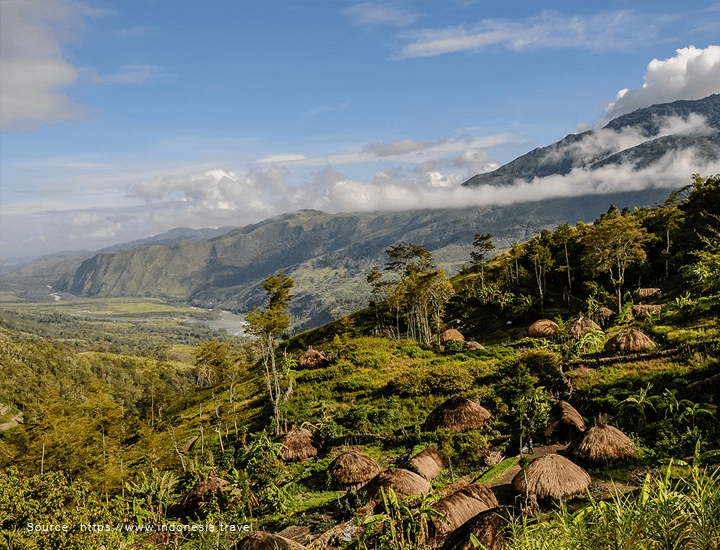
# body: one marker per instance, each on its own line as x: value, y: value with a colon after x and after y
x: 454, y: 345
x: 372, y: 353
x: 443, y: 378
x: 415, y: 352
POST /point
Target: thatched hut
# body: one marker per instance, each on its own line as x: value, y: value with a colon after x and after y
x: 472, y: 345
x: 461, y: 506
x: 261, y: 540
x: 428, y: 463
x: 552, y: 476
x: 486, y: 527
x: 582, y: 326
x: 603, y: 443
x: 193, y: 502
x: 628, y: 340
x: 640, y: 312
x: 542, y: 328
x: 458, y: 415
x: 353, y: 469
x: 311, y: 359
x: 564, y: 422
x: 404, y: 482
x: 603, y: 315
x: 450, y: 334
x: 299, y: 445
x: 649, y: 294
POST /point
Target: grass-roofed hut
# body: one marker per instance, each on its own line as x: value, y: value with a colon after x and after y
x: 458, y: 415
x: 564, y: 422
x: 311, y: 359
x: 542, y: 328
x: 299, y: 445
x: 451, y: 334
x: 552, y: 476
x: 428, y: 463
x: 486, y: 527
x: 582, y: 326
x: 353, y: 469
x: 461, y: 506
x: 629, y: 339
x: 404, y: 482
x: 603, y: 315
x: 261, y: 540
x: 604, y: 443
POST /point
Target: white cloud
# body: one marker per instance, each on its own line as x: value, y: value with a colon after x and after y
x: 692, y: 74
x: 82, y: 219
x: 137, y: 31
x: 619, y: 30
x: 371, y: 13
x: 32, y: 71
x: 281, y: 158
x: 137, y: 73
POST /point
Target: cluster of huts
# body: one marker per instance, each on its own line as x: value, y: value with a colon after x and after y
x: 473, y: 507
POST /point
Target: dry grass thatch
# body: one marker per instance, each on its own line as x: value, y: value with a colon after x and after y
x: 352, y: 469
x: 564, y: 421
x: 542, y: 328
x: 457, y: 414
x: 552, y: 476
x: 604, y: 442
x: 582, y: 326
x: 640, y: 312
x: 450, y: 334
x: 461, y: 506
x: 428, y: 463
x: 487, y: 528
x: 299, y: 445
x: 404, y: 482
x: 628, y: 340
x: 649, y: 293
x: 472, y: 345
x: 192, y: 503
x: 604, y: 313
x: 311, y: 359
x: 260, y: 540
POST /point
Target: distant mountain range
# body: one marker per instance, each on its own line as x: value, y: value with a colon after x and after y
x: 329, y: 255
x: 639, y: 138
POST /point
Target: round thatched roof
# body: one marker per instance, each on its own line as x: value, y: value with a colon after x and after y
x: 404, y: 482
x: 649, y: 293
x: 260, y: 540
x: 451, y: 334
x: 352, y: 469
x: 487, y: 528
x: 428, y: 463
x: 582, y: 326
x: 564, y: 415
x: 604, y: 312
x: 542, y: 328
x: 628, y: 340
x: 194, y: 500
x: 457, y: 414
x: 299, y: 445
x: 472, y: 345
x: 311, y: 359
x: 640, y: 312
x: 603, y: 442
x: 461, y: 506
x: 552, y: 476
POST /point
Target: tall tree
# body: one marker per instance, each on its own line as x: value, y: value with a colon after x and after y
x: 563, y: 235
x: 612, y: 244
x: 542, y: 260
x: 482, y: 245
x: 267, y: 325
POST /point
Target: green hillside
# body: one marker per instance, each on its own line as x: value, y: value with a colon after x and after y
x: 119, y: 412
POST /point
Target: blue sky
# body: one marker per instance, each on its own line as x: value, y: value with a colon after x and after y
x: 125, y: 119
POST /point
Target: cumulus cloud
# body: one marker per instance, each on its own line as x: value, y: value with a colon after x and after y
x: 691, y: 74
x: 619, y: 30
x: 32, y: 71
x: 371, y: 13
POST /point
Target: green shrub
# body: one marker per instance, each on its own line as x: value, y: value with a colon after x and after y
x: 415, y: 352
x: 443, y: 378
x: 372, y: 353
x: 454, y: 345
